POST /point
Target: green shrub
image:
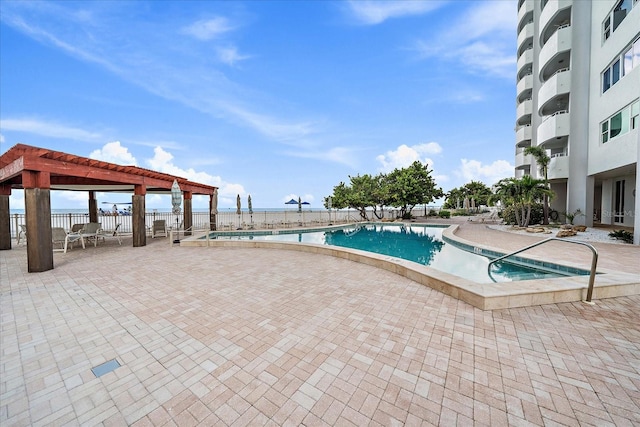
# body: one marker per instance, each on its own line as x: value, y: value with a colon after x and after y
x: 444, y: 214
x: 433, y: 212
x: 625, y: 236
x: 508, y: 214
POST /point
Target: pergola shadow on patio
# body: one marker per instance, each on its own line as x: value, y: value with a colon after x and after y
x: 39, y: 170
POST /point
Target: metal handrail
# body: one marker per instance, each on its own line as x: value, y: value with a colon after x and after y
x: 594, y: 260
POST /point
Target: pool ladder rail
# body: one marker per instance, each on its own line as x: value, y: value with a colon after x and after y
x: 592, y: 272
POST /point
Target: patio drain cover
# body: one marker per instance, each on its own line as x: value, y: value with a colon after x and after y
x: 105, y: 367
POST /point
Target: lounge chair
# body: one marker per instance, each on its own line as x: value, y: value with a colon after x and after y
x: 22, y: 234
x: 62, y: 238
x: 159, y: 228
x: 92, y: 231
x: 111, y: 233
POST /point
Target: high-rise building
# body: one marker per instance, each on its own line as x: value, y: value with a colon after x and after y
x: 578, y: 98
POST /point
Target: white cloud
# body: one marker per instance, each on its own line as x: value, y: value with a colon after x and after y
x: 184, y: 76
x: 229, y: 55
x: 473, y: 170
x: 482, y: 39
x: 1, y: 138
x: 48, y: 129
x: 370, y: 12
x: 341, y: 155
x: 208, y: 29
x: 404, y: 156
x: 271, y: 127
x: 113, y: 152
x: 162, y: 161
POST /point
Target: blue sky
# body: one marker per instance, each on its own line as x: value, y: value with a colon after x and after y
x: 277, y: 99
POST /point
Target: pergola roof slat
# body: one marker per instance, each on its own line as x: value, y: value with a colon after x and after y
x: 86, y: 172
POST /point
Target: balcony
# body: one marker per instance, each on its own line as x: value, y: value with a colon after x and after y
x: 523, y: 161
x: 525, y: 59
x: 554, y: 90
x: 525, y: 35
x: 554, y: 130
x: 523, y: 113
x: 558, y: 167
x: 524, y: 87
x: 525, y: 12
x: 556, y: 53
x: 523, y: 136
x: 555, y: 14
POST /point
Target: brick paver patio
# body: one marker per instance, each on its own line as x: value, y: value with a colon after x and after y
x: 209, y: 336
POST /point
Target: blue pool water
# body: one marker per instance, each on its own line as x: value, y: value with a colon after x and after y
x: 418, y: 243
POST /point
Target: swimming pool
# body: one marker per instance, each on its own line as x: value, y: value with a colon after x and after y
x: 419, y: 243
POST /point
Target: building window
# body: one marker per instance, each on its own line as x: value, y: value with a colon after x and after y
x: 620, y: 123
x: 617, y: 15
x: 605, y: 131
x: 621, y: 66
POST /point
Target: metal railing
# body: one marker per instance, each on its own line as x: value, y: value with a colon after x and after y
x: 225, y: 219
x: 592, y: 272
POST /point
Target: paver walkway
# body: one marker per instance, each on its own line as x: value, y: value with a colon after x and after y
x: 209, y: 336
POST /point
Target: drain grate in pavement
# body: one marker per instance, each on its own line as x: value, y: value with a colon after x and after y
x: 105, y: 367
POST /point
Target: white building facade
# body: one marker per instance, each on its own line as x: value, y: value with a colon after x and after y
x: 578, y: 97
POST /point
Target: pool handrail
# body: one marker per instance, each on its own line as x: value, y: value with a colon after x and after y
x: 592, y: 272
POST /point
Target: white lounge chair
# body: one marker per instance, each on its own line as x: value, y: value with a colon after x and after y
x: 62, y: 238
x: 91, y: 231
x: 22, y: 234
x: 159, y: 228
x: 115, y: 233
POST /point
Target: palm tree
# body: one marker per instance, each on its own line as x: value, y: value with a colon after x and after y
x: 542, y: 159
x: 522, y: 194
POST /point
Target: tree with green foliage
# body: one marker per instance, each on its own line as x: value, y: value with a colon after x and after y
x: 411, y: 186
x: 476, y: 189
x: 521, y: 194
x: 542, y: 160
x: 364, y: 191
x: 403, y: 188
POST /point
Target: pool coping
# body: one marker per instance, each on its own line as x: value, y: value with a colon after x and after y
x: 486, y: 296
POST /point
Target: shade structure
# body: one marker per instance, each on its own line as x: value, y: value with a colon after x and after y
x: 249, y: 205
x: 291, y: 202
x: 238, y: 205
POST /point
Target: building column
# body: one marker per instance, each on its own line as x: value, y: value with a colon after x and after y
x: 37, y: 204
x: 5, y: 219
x: 188, y: 214
x: 138, y: 216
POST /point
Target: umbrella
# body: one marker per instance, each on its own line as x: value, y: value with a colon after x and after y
x: 176, y: 197
x: 299, y: 205
x: 238, y: 205
x: 291, y: 202
x: 250, y: 205
x: 473, y: 203
x: 465, y: 204
x: 214, y: 202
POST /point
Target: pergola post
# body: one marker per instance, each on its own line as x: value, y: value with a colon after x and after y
x: 37, y: 203
x: 138, y: 216
x: 93, y: 207
x: 5, y: 219
x: 188, y: 215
